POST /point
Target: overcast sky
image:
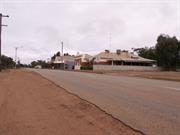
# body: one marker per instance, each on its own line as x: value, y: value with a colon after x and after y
x: 88, y: 26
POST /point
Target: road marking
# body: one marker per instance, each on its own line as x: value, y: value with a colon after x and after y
x: 178, y: 89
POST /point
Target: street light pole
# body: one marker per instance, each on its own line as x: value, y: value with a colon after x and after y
x: 16, y: 51
x: 16, y: 48
x: 1, y: 15
x: 62, y: 54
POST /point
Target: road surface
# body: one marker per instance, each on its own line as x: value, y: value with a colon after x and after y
x: 152, y: 106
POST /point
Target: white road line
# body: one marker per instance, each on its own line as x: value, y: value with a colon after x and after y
x: 178, y: 89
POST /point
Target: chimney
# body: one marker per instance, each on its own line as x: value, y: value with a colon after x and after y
x: 107, y: 51
x: 118, y: 51
x: 125, y: 51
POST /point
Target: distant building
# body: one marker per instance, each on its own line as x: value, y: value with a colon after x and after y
x: 38, y: 67
x: 121, y: 60
x: 63, y: 62
x: 106, y: 60
x: 82, y: 60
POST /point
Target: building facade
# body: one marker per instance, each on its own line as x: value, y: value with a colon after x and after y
x: 121, y: 60
x: 65, y: 62
x: 82, y: 60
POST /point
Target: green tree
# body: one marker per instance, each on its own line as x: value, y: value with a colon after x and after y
x: 53, y: 57
x: 40, y: 62
x: 167, y: 50
x: 58, y: 54
x: 7, y: 62
x: 178, y: 55
x: 149, y: 53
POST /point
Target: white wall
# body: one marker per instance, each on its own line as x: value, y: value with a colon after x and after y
x: 77, y: 67
x: 136, y: 68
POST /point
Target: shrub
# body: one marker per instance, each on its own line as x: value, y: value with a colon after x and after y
x: 86, y: 68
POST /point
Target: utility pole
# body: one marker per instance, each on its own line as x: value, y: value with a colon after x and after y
x: 16, y: 48
x: 109, y: 41
x: 1, y: 15
x: 62, y: 54
x: 16, y: 51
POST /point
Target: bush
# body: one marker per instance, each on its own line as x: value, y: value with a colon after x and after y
x: 86, y: 68
x: 7, y: 62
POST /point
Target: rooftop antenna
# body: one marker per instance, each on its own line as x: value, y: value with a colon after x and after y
x: 62, y: 48
x: 109, y: 36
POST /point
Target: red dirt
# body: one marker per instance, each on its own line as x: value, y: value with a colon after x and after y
x: 32, y: 105
x: 161, y: 75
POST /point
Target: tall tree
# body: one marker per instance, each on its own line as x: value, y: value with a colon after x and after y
x: 149, y: 53
x: 167, y: 50
x: 7, y: 62
x: 58, y: 54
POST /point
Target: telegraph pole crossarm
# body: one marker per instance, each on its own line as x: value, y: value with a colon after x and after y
x: 4, y: 25
x: 1, y: 16
x: 4, y: 15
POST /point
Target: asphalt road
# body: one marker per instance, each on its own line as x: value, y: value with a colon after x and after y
x: 152, y: 106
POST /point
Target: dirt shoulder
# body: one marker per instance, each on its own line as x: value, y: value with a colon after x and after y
x: 160, y: 75
x: 32, y: 105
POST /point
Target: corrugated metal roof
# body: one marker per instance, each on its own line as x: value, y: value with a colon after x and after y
x: 123, y: 56
x: 84, y: 56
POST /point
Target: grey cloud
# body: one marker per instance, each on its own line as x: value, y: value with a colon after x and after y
x: 48, y: 34
x: 84, y: 26
x: 102, y: 26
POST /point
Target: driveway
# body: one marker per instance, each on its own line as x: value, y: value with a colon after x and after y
x: 152, y: 106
